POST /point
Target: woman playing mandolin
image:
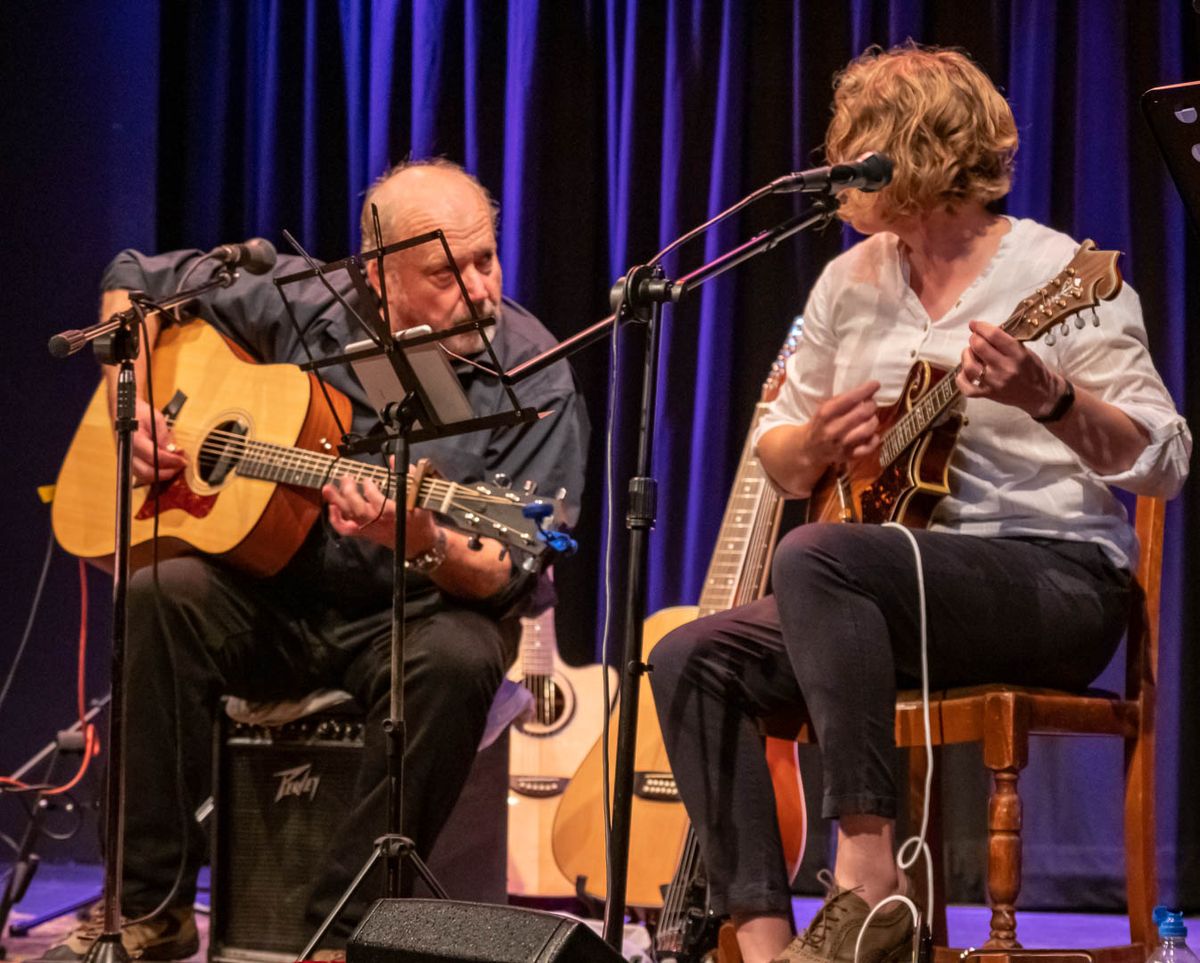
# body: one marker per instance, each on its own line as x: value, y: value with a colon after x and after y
x: 1005, y: 461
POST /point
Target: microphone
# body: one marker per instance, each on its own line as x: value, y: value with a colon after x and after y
x: 869, y: 173
x: 256, y: 255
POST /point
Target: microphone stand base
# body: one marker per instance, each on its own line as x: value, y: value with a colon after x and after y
x: 108, y: 948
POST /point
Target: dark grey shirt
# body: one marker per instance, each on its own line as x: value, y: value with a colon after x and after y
x: 353, y: 575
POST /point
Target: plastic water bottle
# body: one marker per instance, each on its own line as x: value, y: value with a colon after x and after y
x: 1172, y: 934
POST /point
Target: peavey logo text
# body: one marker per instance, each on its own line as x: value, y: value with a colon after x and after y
x: 297, y: 782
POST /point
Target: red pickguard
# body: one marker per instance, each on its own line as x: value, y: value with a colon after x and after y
x: 175, y: 494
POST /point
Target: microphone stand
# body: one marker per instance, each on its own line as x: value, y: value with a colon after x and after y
x: 640, y: 296
x: 121, y: 349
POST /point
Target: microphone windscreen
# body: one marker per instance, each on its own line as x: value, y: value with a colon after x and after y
x: 259, y: 255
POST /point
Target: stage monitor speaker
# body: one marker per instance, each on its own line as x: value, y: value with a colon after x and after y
x: 448, y: 931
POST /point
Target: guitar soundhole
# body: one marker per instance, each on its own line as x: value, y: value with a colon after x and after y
x: 221, y: 451
x: 553, y: 705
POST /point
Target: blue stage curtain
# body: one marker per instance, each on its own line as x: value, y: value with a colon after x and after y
x: 607, y: 127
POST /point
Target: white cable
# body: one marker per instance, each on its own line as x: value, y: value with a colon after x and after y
x: 914, y: 846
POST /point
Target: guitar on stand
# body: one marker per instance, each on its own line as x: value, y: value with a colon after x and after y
x: 545, y: 749
x: 664, y: 866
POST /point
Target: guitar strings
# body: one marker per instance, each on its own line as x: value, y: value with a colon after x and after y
x: 233, y: 443
x: 317, y: 463
x: 928, y: 408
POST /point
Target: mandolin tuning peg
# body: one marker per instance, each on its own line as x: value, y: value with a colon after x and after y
x: 474, y: 543
x: 1079, y: 322
x: 501, y: 480
x: 1064, y: 329
x: 529, y: 564
x: 503, y: 553
x: 529, y: 487
x: 1095, y: 319
x: 1050, y: 339
x: 560, y: 494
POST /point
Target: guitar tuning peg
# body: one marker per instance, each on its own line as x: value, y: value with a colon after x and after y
x: 530, y: 486
x: 503, y: 553
x: 560, y: 494
x: 529, y: 564
x: 501, y: 480
x: 474, y: 543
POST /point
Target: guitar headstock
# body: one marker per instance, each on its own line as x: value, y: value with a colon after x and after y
x: 521, y: 520
x: 1091, y: 277
x: 778, y: 372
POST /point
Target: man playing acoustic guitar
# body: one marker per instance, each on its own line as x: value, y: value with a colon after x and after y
x: 199, y: 629
x: 1026, y: 559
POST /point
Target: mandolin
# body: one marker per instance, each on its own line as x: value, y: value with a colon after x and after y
x: 906, y: 477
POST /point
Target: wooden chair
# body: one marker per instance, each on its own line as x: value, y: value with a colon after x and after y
x: 1002, y: 718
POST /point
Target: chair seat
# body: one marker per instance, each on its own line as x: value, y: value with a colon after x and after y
x: 961, y: 714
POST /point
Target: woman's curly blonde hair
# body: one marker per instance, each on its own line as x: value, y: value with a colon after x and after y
x: 949, y: 132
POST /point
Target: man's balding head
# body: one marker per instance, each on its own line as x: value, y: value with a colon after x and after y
x: 416, y: 198
x: 412, y: 188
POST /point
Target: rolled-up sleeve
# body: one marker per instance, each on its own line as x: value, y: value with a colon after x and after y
x: 1114, y: 363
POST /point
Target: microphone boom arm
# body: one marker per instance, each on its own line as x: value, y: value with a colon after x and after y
x: 647, y: 289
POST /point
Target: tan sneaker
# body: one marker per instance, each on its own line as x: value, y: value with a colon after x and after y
x: 833, y: 932
x: 171, y: 935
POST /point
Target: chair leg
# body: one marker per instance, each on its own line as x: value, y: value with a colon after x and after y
x: 1141, y: 855
x: 1004, y: 858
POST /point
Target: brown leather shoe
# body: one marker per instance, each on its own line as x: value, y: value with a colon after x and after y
x: 833, y: 932
x: 171, y: 935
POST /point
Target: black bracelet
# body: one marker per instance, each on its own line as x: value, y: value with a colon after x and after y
x: 1061, y: 407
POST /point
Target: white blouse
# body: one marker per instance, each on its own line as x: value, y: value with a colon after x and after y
x: 1009, y: 475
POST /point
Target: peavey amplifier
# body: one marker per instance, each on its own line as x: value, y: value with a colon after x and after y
x: 281, y: 792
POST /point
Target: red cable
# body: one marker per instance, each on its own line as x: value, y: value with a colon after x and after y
x: 91, y: 744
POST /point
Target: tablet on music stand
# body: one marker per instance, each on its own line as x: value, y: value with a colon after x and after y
x: 441, y: 391
x: 1173, y: 113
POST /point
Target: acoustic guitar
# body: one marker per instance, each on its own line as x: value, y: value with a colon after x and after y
x: 259, y: 441
x: 545, y: 749
x: 909, y: 474
x: 661, y: 841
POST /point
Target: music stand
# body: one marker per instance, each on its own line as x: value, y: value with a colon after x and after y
x: 1173, y: 113
x: 418, y: 398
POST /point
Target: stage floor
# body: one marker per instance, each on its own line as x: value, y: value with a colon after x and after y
x: 60, y: 884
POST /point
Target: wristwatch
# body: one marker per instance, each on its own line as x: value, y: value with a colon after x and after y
x: 431, y: 559
x: 1061, y: 407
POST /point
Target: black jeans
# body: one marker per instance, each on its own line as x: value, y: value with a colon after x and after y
x: 839, y: 636
x: 213, y: 632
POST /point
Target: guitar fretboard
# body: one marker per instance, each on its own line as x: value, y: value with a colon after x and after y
x: 1061, y: 298
x: 737, y: 569
x: 312, y: 469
